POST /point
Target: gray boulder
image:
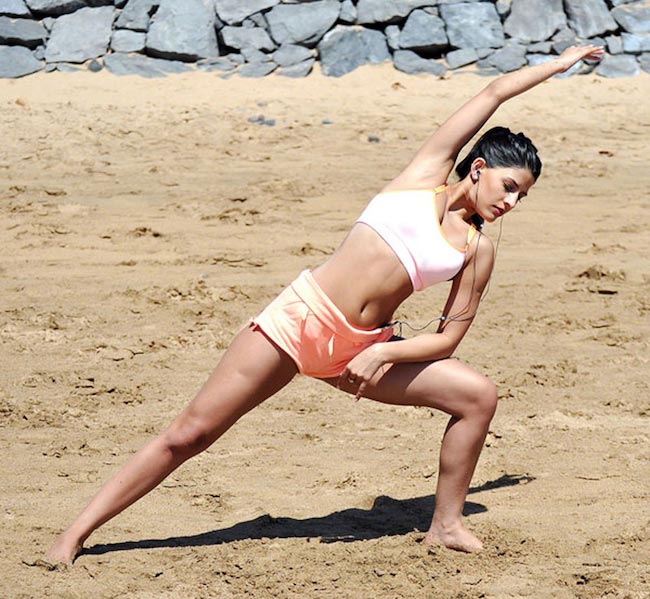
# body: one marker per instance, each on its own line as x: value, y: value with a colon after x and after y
x: 183, y: 30
x: 233, y: 12
x: 136, y: 14
x: 246, y: 37
x: 290, y: 54
x: 220, y: 63
x: 54, y: 7
x: 618, y: 66
x: 423, y: 31
x: 644, y: 62
x: 348, y: 15
x: 14, y: 8
x: 563, y: 39
x: 144, y: 66
x: 460, y: 58
x: 81, y: 35
x: 21, y: 32
x: 589, y: 17
x: 411, y: 63
x: 540, y: 48
x: 473, y: 25
x: 301, y: 69
x: 125, y: 40
x: 16, y: 61
x: 614, y: 44
x: 257, y: 69
x: 509, y: 58
x: 302, y: 23
x: 392, y: 34
x: 345, y: 48
x: 503, y: 7
x: 381, y: 11
x: 634, y: 17
x: 535, y: 20
x: 636, y: 43
x: 255, y: 56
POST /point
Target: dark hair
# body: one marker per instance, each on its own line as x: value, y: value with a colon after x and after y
x: 501, y: 148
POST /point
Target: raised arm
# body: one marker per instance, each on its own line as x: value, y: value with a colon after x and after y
x: 435, y: 159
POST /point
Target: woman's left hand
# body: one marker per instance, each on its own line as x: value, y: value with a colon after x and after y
x: 362, y: 368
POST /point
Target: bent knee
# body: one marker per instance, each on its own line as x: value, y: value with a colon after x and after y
x: 482, y: 396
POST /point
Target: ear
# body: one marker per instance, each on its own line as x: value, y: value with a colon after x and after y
x: 475, y: 169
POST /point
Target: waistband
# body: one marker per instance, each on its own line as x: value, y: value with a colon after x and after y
x: 328, y: 313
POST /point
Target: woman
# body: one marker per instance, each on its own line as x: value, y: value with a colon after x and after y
x: 418, y: 231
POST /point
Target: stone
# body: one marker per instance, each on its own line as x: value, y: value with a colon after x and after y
x: 636, y: 43
x: 39, y: 53
x: 257, y: 69
x: 503, y: 7
x: 246, y: 37
x: 535, y: 20
x: 221, y: 63
x: 409, y: 62
x: 54, y: 7
x: 423, y: 31
x: 614, y: 44
x: 484, y: 52
x: 301, y: 69
x: 379, y: 11
x: 634, y: 17
x: 589, y: 17
x: 345, y: 48
x: 14, y: 8
x: 473, y: 25
x: 540, y: 48
x: 94, y: 66
x: 136, y: 15
x: 509, y: 58
x: 17, y: 61
x: 144, y: 66
x: 22, y: 32
x: 644, y: 62
x: 256, y: 20
x: 392, y: 33
x: 290, y: 54
x: 302, y: 23
x: 125, y: 40
x: 233, y: 12
x: 253, y: 55
x: 460, y: 58
x: 81, y: 35
x: 183, y: 30
x: 618, y: 66
x: 563, y: 39
x: 348, y: 14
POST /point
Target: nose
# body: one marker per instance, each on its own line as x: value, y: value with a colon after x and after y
x: 510, y: 202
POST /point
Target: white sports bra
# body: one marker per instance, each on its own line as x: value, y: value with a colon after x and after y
x: 408, y: 222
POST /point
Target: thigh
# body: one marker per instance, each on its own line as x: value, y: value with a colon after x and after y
x: 252, y: 370
x: 444, y: 384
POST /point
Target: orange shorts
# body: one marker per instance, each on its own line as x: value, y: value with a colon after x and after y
x: 307, y: 325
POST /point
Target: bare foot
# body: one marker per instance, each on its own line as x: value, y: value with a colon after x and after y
x: 455, y: 537
x: 64, y: 551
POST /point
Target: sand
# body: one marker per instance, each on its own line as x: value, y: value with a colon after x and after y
x: 144, y: 221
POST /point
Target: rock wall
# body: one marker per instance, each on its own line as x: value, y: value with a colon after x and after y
x: 253, y: 38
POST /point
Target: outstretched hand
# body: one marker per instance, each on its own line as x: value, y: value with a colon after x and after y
x: 574, y: 54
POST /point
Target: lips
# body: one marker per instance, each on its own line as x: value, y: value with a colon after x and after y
x: 498, y: 211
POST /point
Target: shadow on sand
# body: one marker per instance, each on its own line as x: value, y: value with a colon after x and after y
x: 387, y: 517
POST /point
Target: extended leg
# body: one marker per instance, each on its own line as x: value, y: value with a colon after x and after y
x: 250, y: 371
x: 470, y: 398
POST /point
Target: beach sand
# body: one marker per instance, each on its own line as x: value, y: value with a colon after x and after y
x: 143, y: 222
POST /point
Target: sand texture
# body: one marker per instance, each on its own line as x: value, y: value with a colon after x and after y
x: 144, y: 221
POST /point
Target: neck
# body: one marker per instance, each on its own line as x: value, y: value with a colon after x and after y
x: 461, y: 200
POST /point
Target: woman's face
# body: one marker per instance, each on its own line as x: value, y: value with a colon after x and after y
x: 499, y: 190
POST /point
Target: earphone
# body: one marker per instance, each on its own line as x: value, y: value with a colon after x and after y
x: 475, y: 175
